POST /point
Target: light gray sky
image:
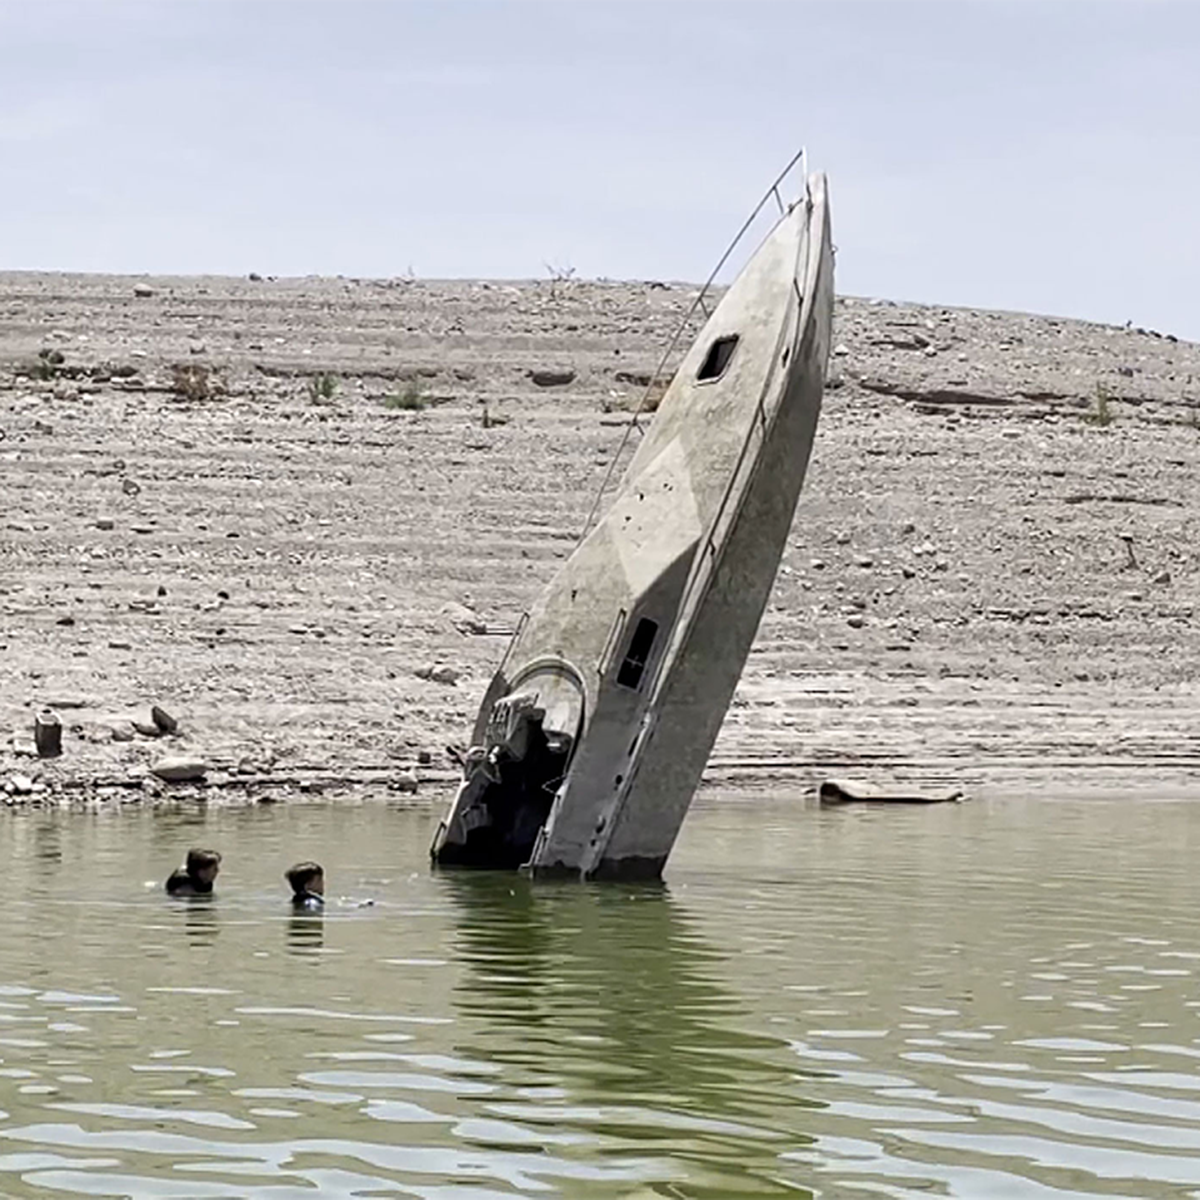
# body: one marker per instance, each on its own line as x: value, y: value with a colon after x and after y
x: 1039, y: 156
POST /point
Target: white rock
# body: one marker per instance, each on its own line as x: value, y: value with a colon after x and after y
x: 179, y: 769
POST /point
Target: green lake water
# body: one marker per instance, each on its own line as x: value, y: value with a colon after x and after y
x: 986, y: 1001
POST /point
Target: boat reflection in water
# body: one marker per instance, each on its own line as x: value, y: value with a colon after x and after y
x: 605, y: 1010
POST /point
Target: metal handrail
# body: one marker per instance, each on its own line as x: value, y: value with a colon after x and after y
x: 772, y: 191
x: 701, y: 564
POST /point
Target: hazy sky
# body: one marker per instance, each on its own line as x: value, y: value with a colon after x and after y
x: 1016, y: 155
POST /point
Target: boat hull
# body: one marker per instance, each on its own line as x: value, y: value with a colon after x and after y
x: 594, y: 733
x: 697, y: 687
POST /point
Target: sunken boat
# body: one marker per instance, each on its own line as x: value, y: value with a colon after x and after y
x: 594, y: 732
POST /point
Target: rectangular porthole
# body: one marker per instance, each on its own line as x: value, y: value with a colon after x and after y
x: 638, y: 655
x: 717, y: 358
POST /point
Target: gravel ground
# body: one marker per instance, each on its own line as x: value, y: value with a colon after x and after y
x: 271, y: 506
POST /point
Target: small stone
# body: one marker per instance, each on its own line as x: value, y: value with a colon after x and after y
x: 864, y: 561
x: 143, y: 292
x: 463, y: 619
x: 1163, y: 577
x: 67, y: 621
x: 179, y: 769
x: 122, y: 733
x: 146, y: 729
x: 119, y: 646
x: 406, y: 782
x: 424, y: 757
x: 550, y: 377
x: 925, y: 550
x: 842, y: 539
x: 163, y: 720
x: 857, y: 621
x: 105, y: 523
x: 20, y: 785
x: 439, y: 673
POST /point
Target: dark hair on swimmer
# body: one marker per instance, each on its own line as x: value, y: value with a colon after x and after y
x: 302, y: 874
x: 197, y: 860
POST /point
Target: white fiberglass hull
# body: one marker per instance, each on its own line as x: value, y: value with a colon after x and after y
x: 596, y: 729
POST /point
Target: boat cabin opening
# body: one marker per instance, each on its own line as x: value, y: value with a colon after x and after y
x: 717, y: 358
x: 633, y: 666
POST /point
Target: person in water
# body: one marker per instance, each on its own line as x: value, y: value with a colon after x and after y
x: 195, y: 877
x: 308, y: 885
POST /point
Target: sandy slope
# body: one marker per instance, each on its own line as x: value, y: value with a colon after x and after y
x: 956, y: 603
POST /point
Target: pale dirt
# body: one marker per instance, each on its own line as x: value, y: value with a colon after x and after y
x: 955, y: 607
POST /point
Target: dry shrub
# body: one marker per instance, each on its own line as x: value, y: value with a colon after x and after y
x: 634, y: 403
x: 412, y: 399
x: 658, y: 389
x: 194, y: 382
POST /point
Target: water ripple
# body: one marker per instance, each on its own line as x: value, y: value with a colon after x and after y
x: 835, y: 1004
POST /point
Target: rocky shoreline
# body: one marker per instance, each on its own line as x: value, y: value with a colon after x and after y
x: 304, y: 515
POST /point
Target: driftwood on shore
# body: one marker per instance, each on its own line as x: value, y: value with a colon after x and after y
x: 832, y: 792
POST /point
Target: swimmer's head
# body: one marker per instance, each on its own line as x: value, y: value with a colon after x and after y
x: 306, y: 878
x: 203, y: 866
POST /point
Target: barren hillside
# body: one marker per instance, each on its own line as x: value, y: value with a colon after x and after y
x: 265, y: 505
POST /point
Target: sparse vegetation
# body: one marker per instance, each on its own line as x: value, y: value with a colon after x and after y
x: 48, y: 362
x: 657, y: 391
x: 559, y: 275
x: 654, y: 394
x: 412, y: 399
x: 322, y: 387
x: 1101, y: 414
x: 193, y: 382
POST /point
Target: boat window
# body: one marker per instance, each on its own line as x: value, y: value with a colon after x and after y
x: 634, y: 666
x: 717, y: 358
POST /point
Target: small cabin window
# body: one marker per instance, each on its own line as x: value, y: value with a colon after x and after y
x: 638, y: 654
x: 717, y: 358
